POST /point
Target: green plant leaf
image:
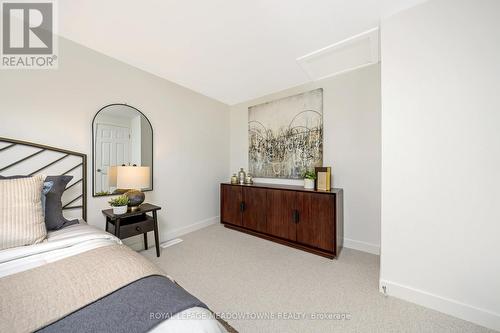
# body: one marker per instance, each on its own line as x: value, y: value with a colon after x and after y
x: 309, y: 175
x: 121, y: 200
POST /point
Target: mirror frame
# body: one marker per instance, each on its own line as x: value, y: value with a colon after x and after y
x: 93, y: 148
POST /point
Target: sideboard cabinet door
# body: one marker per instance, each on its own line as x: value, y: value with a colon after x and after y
x: 254, y: 212
x: 316, y: 221
x: 281, y: 211
x: 231, y: 204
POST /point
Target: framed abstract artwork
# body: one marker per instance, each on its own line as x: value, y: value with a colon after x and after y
x: 285, y: 136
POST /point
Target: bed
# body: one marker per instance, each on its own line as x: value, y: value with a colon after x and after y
x: 81, y: 278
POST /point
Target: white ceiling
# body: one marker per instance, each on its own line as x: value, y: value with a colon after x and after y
x: 230, y: 50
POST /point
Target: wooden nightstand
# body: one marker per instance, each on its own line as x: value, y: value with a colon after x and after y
x: 134, y: 223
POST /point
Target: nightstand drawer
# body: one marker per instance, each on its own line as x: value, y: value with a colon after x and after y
x: 129, y: 230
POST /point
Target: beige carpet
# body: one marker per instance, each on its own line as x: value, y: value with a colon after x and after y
x: 234, y: 272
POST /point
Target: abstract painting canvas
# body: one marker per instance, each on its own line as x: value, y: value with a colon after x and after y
x: 285, y: 136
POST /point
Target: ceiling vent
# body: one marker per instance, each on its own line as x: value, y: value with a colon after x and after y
x: 351, y: 53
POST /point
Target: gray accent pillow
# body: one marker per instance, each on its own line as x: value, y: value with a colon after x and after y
x: 54, y: 218
x: 53, y: 188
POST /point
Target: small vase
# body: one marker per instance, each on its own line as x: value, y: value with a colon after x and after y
x: 248, y: 179
x: 118, y: 210
x: 309, y: 184
x: 241, y: 176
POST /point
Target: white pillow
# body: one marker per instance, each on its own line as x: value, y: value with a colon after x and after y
x: 21, y: 213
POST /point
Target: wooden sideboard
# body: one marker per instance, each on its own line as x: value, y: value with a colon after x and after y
x: 309, y: 220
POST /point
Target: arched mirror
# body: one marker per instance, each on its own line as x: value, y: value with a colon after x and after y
x: 121, y: 136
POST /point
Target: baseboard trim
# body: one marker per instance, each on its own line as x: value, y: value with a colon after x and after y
x: 192, y: 227
x: 451, y: 307
x: 362, y: 246
x: 137, y: 244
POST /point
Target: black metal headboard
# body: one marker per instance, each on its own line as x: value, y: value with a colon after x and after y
x: 26, y: 158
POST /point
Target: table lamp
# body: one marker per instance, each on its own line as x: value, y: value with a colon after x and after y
x: 132, y: 178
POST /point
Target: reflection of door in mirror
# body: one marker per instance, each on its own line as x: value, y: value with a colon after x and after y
x: 111, y: 148
x: 122, y: 136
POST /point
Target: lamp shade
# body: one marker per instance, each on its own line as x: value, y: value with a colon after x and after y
x: 129, y: 177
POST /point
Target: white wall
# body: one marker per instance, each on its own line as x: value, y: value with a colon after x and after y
x: 351, y: 108
x: 191, y: 131
x: 441, y: 157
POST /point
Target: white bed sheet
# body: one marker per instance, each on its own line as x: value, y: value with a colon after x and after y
x: 80, y: 238
x: 59, y: 244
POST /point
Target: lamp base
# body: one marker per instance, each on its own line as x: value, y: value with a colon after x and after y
x: 134, y: 208
x: 135, y: 199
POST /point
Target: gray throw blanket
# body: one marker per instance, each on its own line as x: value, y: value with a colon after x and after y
x: 137, y: 307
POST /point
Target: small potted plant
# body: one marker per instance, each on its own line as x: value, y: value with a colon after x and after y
x: 119, y: 204
x: 309, y: 177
